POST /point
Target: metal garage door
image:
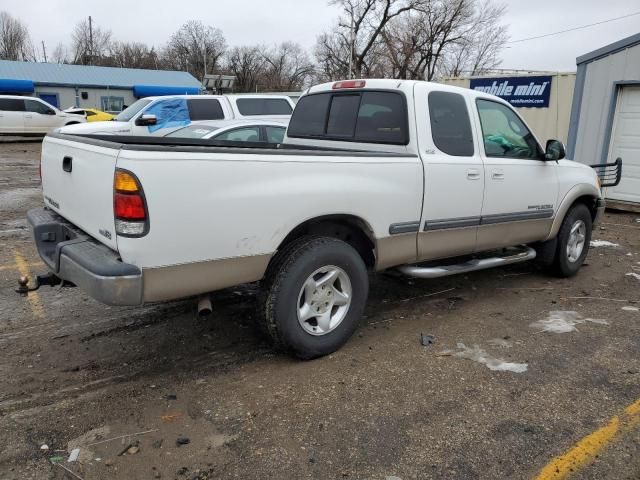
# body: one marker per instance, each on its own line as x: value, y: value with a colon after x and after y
x: 625, y: 143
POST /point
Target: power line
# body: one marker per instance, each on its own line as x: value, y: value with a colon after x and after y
x: 575, y: 28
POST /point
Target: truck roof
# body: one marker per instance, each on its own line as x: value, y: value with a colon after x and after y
x: 390, y: 84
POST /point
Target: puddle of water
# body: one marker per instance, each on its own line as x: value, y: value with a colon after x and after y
x: 479, y: 355
x: 603, y: 243
x: 560, y: 321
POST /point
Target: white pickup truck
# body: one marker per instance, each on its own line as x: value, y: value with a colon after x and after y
x: 158, y: 116
x: 372, y: 175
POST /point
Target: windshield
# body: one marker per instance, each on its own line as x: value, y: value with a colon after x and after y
x: 131, y: 111
x: 192, y: 131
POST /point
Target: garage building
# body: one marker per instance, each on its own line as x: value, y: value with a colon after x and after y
x: 106, y: 88
x: 605, y: 115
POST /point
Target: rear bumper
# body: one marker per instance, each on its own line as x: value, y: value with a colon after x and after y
x: 600, y: 206
x: 76, y: 257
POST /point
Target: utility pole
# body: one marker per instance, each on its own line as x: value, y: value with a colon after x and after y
x: 44, y: 52
x: 90, y: 40
x: 351, y: 42
x: 204, y: 50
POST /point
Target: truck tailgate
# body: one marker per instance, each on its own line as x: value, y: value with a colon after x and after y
x: 77, y: 183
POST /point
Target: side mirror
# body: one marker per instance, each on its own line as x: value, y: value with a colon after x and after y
x: 51, y: 112
x: 555, y: 150
x: 146, y: 120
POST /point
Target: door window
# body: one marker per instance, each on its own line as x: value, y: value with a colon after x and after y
x: 112, y: 104
x: 504, y: 134
x: 450, y: 124
x: 275, y: 134
x: 37, y: 107
x: 247, y: 134
x: 205, y: 109
x: 11, y: 105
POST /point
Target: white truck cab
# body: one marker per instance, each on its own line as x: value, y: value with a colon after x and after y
x: 20, y: 115
x: 158, y: 116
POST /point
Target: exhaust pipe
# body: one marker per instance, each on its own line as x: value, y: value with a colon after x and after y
x: 204, y: 306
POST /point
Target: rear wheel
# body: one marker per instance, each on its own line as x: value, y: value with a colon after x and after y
x: 573, y: 241
x: 314, y: 295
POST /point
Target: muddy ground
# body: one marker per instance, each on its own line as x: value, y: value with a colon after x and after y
x: 75, y: 373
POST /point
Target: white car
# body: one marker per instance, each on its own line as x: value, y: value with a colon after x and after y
x: 158, y: 116
x: 32, y: 116
x: 372, y: 175
x: 234, y: 131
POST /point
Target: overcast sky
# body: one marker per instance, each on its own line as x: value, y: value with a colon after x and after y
x: 273, y: 21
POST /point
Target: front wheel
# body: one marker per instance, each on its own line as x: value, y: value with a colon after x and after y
x: 314, y: 296
x: 573, y: 241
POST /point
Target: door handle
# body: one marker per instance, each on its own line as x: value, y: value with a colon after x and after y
x: 497, y: 175
x: 67, y: 164
x: 473, y: 174
x: 28, y: 116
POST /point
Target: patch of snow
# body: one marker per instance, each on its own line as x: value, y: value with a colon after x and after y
x: 560, y: 321
x: 634, y: 275
x: 500, y: 342
x: 631, y: 309
x: 496, y: 364
x: 603, y: 243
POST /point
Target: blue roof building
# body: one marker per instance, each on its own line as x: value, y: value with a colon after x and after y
x: 106, y: 88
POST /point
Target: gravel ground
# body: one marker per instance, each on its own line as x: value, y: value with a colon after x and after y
x: 74, y: 372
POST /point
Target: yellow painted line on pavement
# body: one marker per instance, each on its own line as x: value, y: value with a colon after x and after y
x: 583, y: 452
x: 33, y: 297
x: 13, y: 266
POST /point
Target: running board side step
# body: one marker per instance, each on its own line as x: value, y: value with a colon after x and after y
x: 469, y: 266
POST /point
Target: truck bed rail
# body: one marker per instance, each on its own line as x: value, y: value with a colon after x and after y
x: 609, y: 173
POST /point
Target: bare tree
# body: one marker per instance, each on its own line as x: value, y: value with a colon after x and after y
x: 60, y: 54
x: 193, y: 47
x: 413, y: 39
x: 356, y: 37
x: 133, y: 55
x: 479, y: 51
x: 90, y: 44
x: 287, y: 68
x: 15, y: 42
x: 248, y: 66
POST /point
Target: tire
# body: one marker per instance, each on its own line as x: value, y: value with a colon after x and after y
x: 313, y: 296
x: 568, y: 261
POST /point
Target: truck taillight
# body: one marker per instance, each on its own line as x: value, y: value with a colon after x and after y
x: 129, y: 206
x: 349, y: 84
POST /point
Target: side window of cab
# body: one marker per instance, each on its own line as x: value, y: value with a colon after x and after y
x: 504, y: 134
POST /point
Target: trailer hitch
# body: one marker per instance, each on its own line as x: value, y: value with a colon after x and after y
x: 48, y: 279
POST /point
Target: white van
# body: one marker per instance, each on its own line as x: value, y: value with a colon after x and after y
x: 158, y: 116
x: 32, y: 116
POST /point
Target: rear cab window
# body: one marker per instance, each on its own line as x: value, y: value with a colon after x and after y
x: 365, y: 116
x: 263, y: 106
